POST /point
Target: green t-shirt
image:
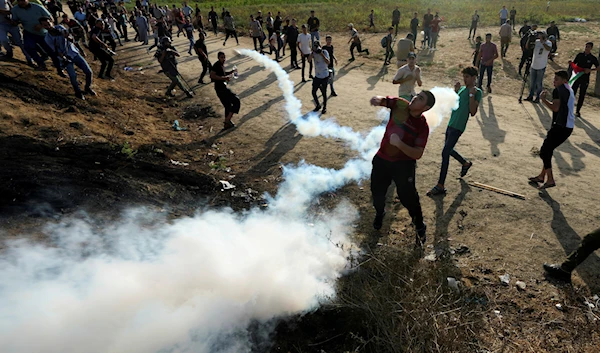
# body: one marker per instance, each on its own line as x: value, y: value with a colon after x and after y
x: 460, y: 116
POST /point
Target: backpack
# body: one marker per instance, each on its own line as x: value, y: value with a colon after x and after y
x: 384, y: 41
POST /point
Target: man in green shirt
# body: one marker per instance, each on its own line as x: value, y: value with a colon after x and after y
x: 469, y: 97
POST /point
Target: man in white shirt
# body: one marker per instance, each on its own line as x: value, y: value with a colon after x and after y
x: 406, y: 77
x: 538, y: 66
x: 304, y: 47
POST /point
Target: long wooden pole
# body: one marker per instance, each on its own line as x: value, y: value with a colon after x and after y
x: 498, y: 190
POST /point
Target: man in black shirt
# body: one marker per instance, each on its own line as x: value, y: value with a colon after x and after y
x: 313, y: 27
x: 585, y: 61
x: 525, y: 29
x: 329, y: 49
x: 202, y: 52
x: 427, y: 18
x: 291, y: 38
x: 230, y: 101
x: 101, y: 51
x: 167, y: 57
x: 213, y: 17
x: 414, y: 24
x: 563, y: 121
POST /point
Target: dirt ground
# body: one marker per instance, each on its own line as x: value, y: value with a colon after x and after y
x: 69, y: 155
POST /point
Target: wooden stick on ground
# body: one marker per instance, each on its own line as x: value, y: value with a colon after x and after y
x: 495, y: 189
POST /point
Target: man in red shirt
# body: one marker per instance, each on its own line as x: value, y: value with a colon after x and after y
x: 403, y: 143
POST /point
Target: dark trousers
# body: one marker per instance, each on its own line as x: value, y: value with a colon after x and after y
x: 524, y: 60
x: 304, y: 60
x: 414, y: 32
x: 34, y: 44
x: 231, y: 33
x: 320, y: 84
x: 257, y: 43
x: 358, y: 47
x: 482, y: 70
x: 214, y: 26
x: 473, y: 29
x: 582, y: 84
x: 106, y: 61
x: 293, y: 55
x: 589, y: 244
x: 403, y: 175
x: 206, y: 66
x: 452, y: 136
x: 395, y: 24
x: 230, y: 100
x: 556, y: 136
x: 176, y: 82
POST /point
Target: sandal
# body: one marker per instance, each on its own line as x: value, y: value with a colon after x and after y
x: 536, y: 179
x: 547, y: 186
x: 464, y: 169
x: 436, y: 190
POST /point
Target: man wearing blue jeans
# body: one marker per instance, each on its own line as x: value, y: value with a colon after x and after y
x: 58, y: 39
x: 488, y: 52
x: 469, y: 97
x: 538, y: 66
x: 6, y: 27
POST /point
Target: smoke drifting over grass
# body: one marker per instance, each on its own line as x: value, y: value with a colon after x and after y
x: 146, y: 284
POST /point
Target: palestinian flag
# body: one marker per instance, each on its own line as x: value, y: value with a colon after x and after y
x: 577, y: 73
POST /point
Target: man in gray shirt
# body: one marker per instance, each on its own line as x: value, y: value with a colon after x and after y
x: 6, y: 27
x: 321, y: 79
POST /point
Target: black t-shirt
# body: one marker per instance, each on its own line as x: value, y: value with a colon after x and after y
x: 427, y: 19
x: 292, y: 35
x: 561, y: 117
x: 220, y: 71
x: 329, y: 49
x: 98, y: 33
x: 201, y: 46
x: 414, y: 23
x: 524, y: 30
x: 277, y: 24
x: 313, y: 24
x: 212, y: 16
x: 586, y: 61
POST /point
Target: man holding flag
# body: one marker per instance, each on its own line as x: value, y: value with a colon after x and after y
x: 580, y: 77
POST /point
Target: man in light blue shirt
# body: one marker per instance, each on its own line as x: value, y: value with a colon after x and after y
x: 58, y: 39
x: 6, y: 27
x: 28, y: 15
x: 321, y: 79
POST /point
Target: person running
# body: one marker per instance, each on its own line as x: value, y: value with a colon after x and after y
x: 584, y: 60
x: 389, y: 51
x: 213, y: 17
x: 355, y: 39
x: 372, y: 19
x: 230, y: 100
x: 229, y: 28
x: 469, y: 97
x: 488, y: 52
x: 321, y: 79
x: 274, y: 46
x: 58, y: 39
x: 562, y: 272
x: 189, y: 33
x: 167, y: 55
x: 474, y: 23
x: 538, y: 66
x: 304, y: 47
x: 563, y: 121
x: 505, y: 37
x: 100, y: 51
x: 407, y: 76
x: 329, y: 48
x: 202, y: 52
x: 414, y: 27
x: 396, y: 19
x: 403, y: 143
x: 291, y: 37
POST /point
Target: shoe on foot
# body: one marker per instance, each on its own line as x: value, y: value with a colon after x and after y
x: 169, y: 94
x: 529, y: 99
x: 310, y: 76
x: 465, y: 169
x: 189, y: 94
x: 317, y: 108
x: 228, y: 125
x: 537, y: 100
x: 578, y: 114
x: 555, y: 271
x: 80, y: 95
x: 351, y: 59
x: 303, y: 80
x: 421, y: 236
x: 324, y: 110
x: 333, y: 94
x: 200, y: 81
x: 378, y: 221
x: 367, y: 50
x: 489, y: 89
x: 90, y: 91
x: 436, y: 190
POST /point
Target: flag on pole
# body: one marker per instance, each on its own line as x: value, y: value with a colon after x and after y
x: 577, y: 72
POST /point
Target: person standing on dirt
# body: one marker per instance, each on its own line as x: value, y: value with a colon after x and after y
x: 167, y: 55
x: 291, y: 37
x: 230, y: 101
x: 414, y: 27
x: 427, y: 18
x: 403, y: 143
x: 389, y: 46
x: 542, y: 48
x: 329, y: 48
x: 396, y: 19
x: 513, y: 16
x: 202, y: 52
x: 270, y: 24
x: 304, y: 47
x: 61, y: 43
x: 407, y: 76
x: 143, y: 28
x: 313, y: 25
x: 562, y: 272
x: 213, y: 17
x: 527, y: 44
x: 404, y: 47
x: 34, y: 34
x: 505, y: 37
x: 584, y: 60
x: 563, y: 121
x: 6, y: 27
x: 100, y: 51
x: 503, y: 13
x: 355, y: 39
x: 372, y: 19
x: 469, y: 97
x: 435, y: 31
x: 321, y: 79
x: 488, y: 52
x: 229, y: 28
x: 474, y: 23
x: 256, y: 32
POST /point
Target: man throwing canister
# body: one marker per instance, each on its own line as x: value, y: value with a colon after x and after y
x: 230, y: 100
x: 403, y: 143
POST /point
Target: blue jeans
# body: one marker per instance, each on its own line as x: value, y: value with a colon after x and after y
x: 427, y: 36
x: 452, y: 136
x: 33, y: 43
x: 537, y: 82
x: 15, y: 32
x: 483, y: 69
x: 80, y: 62
x: 314, y: 35
x: 331, y: 78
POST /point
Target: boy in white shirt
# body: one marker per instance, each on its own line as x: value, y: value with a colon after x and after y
x: 305, y: 50
x: 406, y: 76
x: 538, y: 66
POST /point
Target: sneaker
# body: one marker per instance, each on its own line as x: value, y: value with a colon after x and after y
x: 317, y: 108
x: 79, y: 95
x: 90, y: 91
x: 324, y: 110
x: 200, y: 81
x: 489, y: 89
x: 351, y: 59
x: 303, y: 80
x: 578, y: 114
x: 421, y: 237
x: 378, y: 221
x: 189, y: 94
x: 228, y: 125
x: 554, y: 271
x: 169, y: 94
x: 333, y: 94
x: 310, y: 76
x: 537, y: 100
x: 529, y: 99
x: 367, y: 50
